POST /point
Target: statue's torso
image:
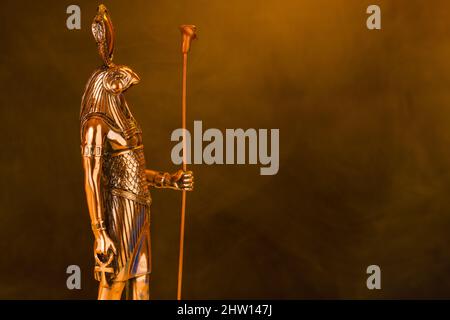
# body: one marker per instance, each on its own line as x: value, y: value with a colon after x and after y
x: 124, y: 160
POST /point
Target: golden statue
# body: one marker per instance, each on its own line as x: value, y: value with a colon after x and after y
x: 116, y: 179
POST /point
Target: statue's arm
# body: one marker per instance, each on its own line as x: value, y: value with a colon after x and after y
x: 93, y: 139
x: 180, y: 180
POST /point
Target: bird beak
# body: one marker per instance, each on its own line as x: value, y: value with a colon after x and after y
x: 135, y: 78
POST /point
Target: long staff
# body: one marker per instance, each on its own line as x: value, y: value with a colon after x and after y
x: 188, y: 34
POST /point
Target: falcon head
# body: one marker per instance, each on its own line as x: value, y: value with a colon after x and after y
x: 119, y: 78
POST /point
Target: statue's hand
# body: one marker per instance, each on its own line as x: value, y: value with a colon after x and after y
x: 103, y: 244
x: 182, y: 180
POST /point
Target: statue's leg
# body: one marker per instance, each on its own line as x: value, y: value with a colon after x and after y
x: 139, y: 288
x: 114, y: 292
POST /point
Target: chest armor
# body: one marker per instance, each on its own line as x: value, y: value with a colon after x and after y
x: 124, y: 165
x: 125, y: 170
x: 123, y: 160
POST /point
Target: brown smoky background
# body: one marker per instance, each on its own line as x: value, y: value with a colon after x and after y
x: 364, y: 146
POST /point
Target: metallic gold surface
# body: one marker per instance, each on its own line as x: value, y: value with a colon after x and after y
x: 188, y: 34
x: 116, y: 180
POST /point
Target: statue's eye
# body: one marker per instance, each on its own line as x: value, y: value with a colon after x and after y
x: 117, y: 80
x: 118, y: 76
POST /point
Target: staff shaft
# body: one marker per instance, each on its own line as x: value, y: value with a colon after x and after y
x: 188, y: 34
x: 183, y: 198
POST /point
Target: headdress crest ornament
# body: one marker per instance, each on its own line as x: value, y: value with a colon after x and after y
x: 103, y: 31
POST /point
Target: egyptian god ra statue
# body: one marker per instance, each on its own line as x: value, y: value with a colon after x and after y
x: 117, y: 182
